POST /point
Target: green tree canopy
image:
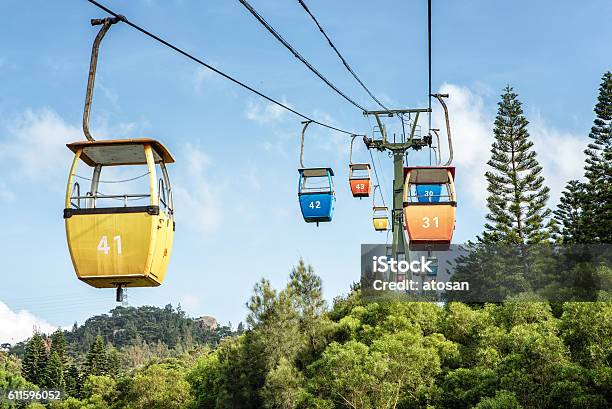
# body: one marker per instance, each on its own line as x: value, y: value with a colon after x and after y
x: 517, y: 194
x: 35, y: 359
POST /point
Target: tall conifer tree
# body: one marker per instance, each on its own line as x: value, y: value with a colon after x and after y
x: 54, y: 372
x: 598, y: 168
x: 570, y: 214
x: 35, y: 359
x: 96, y: 360
x: 585, y: 211
x: 58, y: 345
x: 517, y: 195
x: 73, y: 381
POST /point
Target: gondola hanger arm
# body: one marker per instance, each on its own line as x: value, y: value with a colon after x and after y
x: 305, y: 123
x: 374, y: 195
x: 106, y: 23
x: 440, y: 98
x: 438, y: 146
x: 351, y: 149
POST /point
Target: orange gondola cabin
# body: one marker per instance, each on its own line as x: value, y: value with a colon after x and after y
x: 429, y: 207
x: 359, y: 179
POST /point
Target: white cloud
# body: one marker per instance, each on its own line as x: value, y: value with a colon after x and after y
x: 191, y: 303
x: 36, y: 143
x: 560, y: 153
x: 265, y: 112
x: 18, y: 326
x: 198, y: 203
x: 471, y: 129
x: 34, y: 147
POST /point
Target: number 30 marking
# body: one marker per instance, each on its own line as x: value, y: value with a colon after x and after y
x: 103, y: 244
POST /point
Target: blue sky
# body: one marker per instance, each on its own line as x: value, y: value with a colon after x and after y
x: 235, y: 178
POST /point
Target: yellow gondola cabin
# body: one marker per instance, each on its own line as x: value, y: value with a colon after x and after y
x: 128, y: 243
x: 429, y: 207
x: 380, y: 218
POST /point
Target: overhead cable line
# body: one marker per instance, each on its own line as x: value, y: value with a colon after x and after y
x: 377, y: 181
x: 331, y: 44
x: 382, y: 194
x: 429, y: 69
x: 210, y: 67
x: 348, y: 67
x: 297, y: 54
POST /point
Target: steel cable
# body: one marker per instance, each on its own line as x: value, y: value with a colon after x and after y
x: 210, y: 67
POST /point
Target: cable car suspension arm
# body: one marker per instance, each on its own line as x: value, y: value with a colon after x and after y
x: 351, y: 149
x: 440, y: 97
x: 438, y: 149
x: 305, y: 123
x: 106, y: 25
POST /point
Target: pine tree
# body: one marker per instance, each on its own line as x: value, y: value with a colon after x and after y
x: 570, y: 214
x: 306, y: 287
x: 517, y: 195
x: 72, y: 379
x: 598, y: 168
x: 306, y: 293
x: 96, y: 360
x: 34, y: 360
x: 54, y: 372
x: 58, y: 345
x: 113, y: 362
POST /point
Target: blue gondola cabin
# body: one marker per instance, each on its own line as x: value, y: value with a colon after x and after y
x: 316, y: 194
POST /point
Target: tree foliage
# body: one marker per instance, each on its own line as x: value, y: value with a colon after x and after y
x: 35, y: 359
x: 585, y: 210
x: 298, y: 354
x: 517, y: 194
x: 598, y: 168
x: 410, y: 355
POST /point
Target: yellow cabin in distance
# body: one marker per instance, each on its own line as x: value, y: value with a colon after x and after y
x: 380, y: 218
x: 122, y: 245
